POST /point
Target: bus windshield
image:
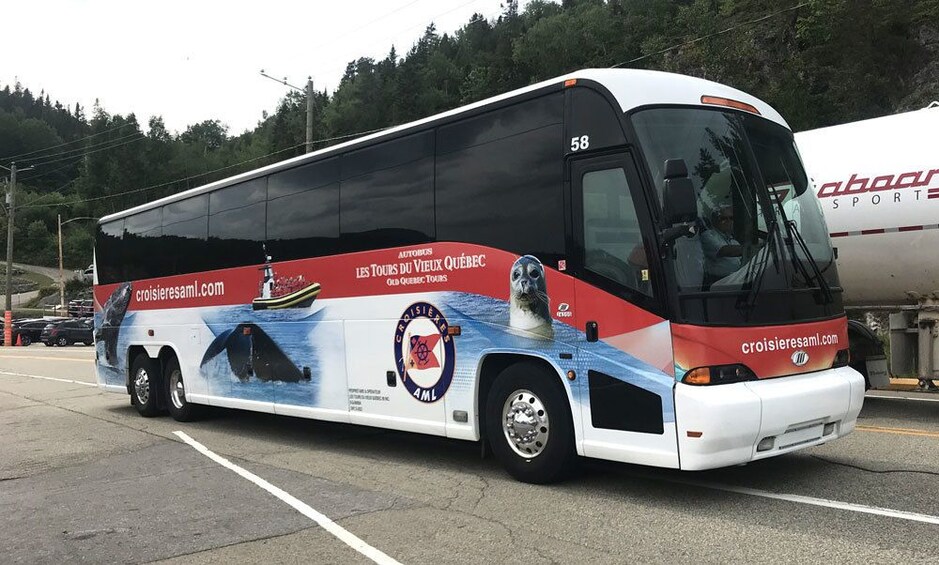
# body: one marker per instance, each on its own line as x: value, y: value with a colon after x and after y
x: 761, y: 252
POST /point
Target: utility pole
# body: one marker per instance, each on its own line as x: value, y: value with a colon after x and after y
x: 61, y: 272
x: 309, y: 105
x: 8, y: 313
x: 309, y: 114
x: 11, y: 205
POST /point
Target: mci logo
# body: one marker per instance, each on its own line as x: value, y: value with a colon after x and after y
x: 800, y: 358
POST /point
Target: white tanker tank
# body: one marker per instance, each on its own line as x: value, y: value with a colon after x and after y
x: 878, y: 184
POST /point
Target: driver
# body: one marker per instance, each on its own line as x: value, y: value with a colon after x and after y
x: 722, y: 253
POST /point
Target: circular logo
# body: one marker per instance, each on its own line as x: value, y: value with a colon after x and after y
x: 424, y: 352
x: 800, y: 358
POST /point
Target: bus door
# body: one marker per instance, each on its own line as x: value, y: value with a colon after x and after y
x: 626, y: 363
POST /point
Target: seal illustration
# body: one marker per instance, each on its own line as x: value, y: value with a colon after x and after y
x: 528, y: 296
x: 252, y: 353
x: 112, y: 315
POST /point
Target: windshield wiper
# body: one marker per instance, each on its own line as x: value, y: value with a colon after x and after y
x: 819, y: 277
x: 771, y: 230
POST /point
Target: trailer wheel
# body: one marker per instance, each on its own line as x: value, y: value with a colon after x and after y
x: 529, y: 425
x: 144, y: 384
x: 179, y: 407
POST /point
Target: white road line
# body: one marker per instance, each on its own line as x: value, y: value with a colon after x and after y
x: 48, y: 378
x: 862, y: 508
x: 902, y: 398
x: 346, y: 536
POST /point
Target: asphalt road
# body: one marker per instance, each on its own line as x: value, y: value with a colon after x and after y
x: 83, y: 478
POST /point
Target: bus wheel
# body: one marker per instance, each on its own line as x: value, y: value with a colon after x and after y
x: 180, y: 409
x: 143, y: 386
x: 529, y: 425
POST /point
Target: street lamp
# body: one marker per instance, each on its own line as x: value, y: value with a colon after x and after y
x: 309, y: 105
x: 61, y: 272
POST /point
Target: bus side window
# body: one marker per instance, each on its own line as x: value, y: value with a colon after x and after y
x: 612, y: 237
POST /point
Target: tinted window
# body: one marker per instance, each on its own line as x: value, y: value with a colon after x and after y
x: 236, y: 237
x: 238, y: 196
x: 612, y: 238
x: 142, y: 249
x: 108, y: 256
x: 303, y: 178
x: 388, y: 155
x: 187, y: 209
x: 305, y: 224
x: 500, y: 124
x: 506, y: 193
x: 185, y: 226
x: 391, y: 206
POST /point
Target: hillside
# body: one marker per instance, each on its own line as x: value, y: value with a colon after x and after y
x: 805, y: 59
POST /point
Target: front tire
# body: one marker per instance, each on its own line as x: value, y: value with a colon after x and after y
x: 62, y: 341
x: 144, y: 384
x: 25, y: 341
x: 528, y: 421
x: 179, y: 407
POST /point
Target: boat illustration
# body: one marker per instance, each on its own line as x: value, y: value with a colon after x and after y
x: 283, y: 292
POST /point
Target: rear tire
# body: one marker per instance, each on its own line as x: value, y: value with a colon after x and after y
x: 144, y: 385
x: 528, y: 421
x: 179, y: 407
x: 25, y: 341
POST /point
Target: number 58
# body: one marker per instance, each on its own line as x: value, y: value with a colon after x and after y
x: 579, y: 143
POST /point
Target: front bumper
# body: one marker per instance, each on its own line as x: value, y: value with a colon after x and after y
x: 722, y: 425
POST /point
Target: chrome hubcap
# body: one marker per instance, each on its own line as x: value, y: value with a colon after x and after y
x: 142, y: 386
x: 177, y: 389
x: 526, y: 426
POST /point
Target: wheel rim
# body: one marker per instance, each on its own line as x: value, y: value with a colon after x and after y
x: 526, y: 426
x: 142, y: 386
x: 62, y: 341
x: 177, y: 389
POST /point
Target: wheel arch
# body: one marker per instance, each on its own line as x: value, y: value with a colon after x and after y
x: 492, y: 363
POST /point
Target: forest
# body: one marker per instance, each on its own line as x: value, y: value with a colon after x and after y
x: 819, y: 62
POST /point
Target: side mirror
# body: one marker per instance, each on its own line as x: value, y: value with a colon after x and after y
x: 679, y: 203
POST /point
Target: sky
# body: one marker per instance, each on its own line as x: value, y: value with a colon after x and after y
x: 196, y: 60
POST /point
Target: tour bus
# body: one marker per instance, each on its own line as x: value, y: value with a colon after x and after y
x: 620, y: 264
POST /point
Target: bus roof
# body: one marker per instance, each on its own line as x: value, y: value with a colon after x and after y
x: 632, y: 88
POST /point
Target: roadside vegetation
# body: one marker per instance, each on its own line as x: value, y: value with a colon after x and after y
x: 819, y: 62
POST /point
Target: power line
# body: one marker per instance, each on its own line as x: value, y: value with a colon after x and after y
x: 11, y: 157
x: 365, y: 25
x: 136, y: 190
x: 702, y: 38
x: 79, y: 149
x: 136, y: 139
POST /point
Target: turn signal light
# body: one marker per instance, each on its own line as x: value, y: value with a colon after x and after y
x: 718, y: 374
x: 570, y: 82
x: 735, y: 104
x: 842, y: 358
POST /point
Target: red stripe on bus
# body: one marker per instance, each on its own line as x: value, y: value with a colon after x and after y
x: 841, y: 234
x: 874, y: 231
x: 910, y: 228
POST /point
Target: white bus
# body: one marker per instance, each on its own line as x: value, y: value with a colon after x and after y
x: 618, y: 264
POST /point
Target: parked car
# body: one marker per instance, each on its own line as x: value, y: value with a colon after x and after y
x: 68, y: 332
x: 81, y: 308
x: 30, y: 330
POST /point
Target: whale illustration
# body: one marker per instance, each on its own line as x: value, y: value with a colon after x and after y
x: 112, y: 315
x: 252, y: 353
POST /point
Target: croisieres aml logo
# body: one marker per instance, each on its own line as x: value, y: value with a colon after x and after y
x: 424, y: 352
x: 769, y: 344
x: 179, y: 292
